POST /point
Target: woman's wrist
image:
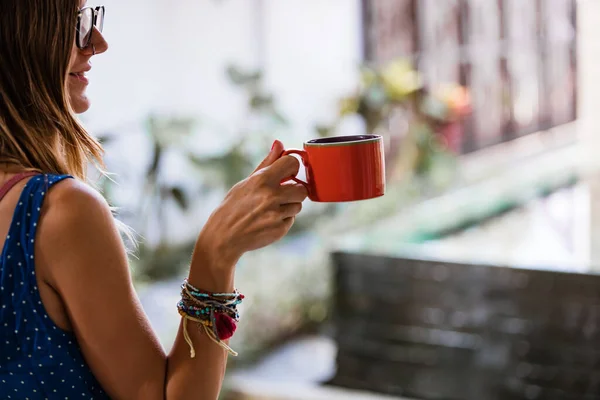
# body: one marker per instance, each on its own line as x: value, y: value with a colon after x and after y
x: 213, y: 265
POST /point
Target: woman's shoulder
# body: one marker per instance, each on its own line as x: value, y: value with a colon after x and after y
x: 76, y: 231
x: 72, y: 207
x: 73, y: 194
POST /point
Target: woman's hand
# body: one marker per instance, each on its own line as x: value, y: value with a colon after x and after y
x: 256, y: 212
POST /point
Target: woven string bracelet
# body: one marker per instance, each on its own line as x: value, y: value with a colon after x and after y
x: 216, y: 313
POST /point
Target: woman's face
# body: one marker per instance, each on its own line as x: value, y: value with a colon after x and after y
x: 77, y: 81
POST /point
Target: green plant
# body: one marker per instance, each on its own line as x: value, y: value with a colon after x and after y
x: 216, y: 173
x: 234, y: 165
x: 392, y: 101
x: 158, y: 258
x: 226, y: 169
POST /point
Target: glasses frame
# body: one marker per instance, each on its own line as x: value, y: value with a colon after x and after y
x: 95, y: 12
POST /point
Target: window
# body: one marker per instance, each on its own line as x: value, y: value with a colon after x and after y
x: 517, y: 57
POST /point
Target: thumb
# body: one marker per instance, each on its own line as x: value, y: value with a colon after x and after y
x: 276, y: 151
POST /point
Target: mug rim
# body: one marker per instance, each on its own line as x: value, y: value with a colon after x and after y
x: 366, y: 139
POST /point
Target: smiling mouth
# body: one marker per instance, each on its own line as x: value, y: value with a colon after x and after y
x: 79, y: 76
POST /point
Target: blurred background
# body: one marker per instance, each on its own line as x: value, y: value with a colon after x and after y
x: 474, y: 277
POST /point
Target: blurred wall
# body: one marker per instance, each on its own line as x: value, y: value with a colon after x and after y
x: 589, y: 71
x: 171, y: 56
x: 589, y: 106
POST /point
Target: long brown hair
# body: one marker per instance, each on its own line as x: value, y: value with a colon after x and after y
x: 38, y: 128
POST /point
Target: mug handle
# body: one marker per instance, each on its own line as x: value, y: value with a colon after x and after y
x: 304, y: 156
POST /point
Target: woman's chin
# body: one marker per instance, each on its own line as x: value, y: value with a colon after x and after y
x: 80, y: 104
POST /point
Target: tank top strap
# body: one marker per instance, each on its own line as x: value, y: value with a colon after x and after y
x: 13, y: 181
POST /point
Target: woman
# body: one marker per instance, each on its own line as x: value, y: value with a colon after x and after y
x: 71, y: 325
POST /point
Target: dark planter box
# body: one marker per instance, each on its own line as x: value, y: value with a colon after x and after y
x: 437, y: 330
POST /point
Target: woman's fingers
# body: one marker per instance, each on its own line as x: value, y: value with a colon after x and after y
x: 292, y: 193
x: 290, y: 210
x: 274, y: 155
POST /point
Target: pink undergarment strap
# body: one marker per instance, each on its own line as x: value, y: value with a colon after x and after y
x: 13, y: 181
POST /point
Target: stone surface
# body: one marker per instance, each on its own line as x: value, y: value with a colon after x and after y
x: 296, y: 371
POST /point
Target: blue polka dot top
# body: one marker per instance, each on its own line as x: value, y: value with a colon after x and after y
x: 38, y: 360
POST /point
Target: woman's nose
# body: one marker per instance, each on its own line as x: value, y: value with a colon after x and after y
x: 98, y: 41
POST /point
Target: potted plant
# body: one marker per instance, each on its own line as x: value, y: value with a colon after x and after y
x: 446, y: 107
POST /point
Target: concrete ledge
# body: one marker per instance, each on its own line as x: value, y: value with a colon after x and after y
x: 255, y: 390
x: 295, y: 372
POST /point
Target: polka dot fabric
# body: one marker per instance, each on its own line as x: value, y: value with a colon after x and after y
x: 38, y: 360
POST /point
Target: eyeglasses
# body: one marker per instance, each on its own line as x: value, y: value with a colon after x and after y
x: 87, y: 19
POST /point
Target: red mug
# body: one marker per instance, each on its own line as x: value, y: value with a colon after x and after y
x: 343, y: 168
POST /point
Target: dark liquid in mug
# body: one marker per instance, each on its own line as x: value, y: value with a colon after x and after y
x: 342, y: 139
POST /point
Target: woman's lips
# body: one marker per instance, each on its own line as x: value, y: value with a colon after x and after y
x: 80, y: 76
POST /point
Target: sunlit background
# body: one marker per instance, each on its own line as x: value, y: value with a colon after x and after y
x: 472, y: 278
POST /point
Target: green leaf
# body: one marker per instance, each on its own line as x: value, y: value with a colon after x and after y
x: 105, y: 139
x: 180, y: 198
x: 205, y: 162
x: 237, y: 167
x: 239, y: 77
x: 261, y: 101
x: 154, y: 166
x: 181, y: 124
x: 152, y: 126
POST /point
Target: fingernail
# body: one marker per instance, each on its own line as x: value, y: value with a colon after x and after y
x: 273, y: 145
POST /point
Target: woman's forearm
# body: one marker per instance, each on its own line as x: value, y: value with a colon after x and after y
x: 256, y: 212
x: 200, y: 377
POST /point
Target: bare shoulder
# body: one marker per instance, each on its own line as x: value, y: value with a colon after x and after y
x: 81, y: 260
x: 73, y: 211
x: 72, y: 198
x: 76, y: 224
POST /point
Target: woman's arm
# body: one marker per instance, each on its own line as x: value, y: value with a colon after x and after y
x: 207, y: 369
x: 80, y: 247
x: 256, y: 212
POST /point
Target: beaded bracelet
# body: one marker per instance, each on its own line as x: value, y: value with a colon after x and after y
x: 216, y: 314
